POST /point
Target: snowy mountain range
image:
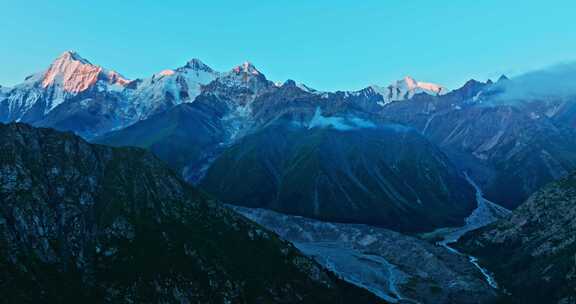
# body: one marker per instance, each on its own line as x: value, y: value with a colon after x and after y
x: 191, y: 115
x: 409, y: 157
x: 406, y: 89
x: 65, y: 93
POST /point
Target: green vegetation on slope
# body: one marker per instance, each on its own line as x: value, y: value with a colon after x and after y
x: 93, y: 224
x: 376, y: 176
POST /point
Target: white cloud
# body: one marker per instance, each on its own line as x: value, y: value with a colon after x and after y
x: 558, y: 81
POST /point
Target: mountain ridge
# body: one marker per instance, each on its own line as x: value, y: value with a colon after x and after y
x: 500, y: 144
x: 88, y: 223
x: 70, y: 74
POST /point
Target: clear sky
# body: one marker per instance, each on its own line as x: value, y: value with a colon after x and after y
x: 328, y: 45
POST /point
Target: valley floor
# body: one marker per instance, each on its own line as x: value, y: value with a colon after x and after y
x: 485, y: 213
x: 396, y: 267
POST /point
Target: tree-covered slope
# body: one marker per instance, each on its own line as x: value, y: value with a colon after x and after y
x: 388, y: 176
x: 92, y: 224
x: 533, y: 253
x: 187, y: 134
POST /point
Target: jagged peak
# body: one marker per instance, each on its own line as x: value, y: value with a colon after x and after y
x: 470, y: 89
x: 197, y: 65
x: 289, y: 83
x: 406, y: 88
x: 472, y: 82
x: 503, y: 78
x: 72, y: 56
x: 75, y: 74
x: 193, y: 64
x: 248, y: 68
x: 412, y: 84
x: 115, y: 77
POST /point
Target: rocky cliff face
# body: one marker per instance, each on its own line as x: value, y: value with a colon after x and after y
x: 533, y: 253
x: 88, y: 223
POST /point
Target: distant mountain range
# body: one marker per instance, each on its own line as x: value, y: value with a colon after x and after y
x: 121, y: 224
x: 77, y: 95
x: 391, y: 156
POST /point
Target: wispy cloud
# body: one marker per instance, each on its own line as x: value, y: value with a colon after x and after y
x: 558, y: 81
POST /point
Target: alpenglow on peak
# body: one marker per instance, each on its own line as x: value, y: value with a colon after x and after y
x: 75, y: 74
x: 406, y: 88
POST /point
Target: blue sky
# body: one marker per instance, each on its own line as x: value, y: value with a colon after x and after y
x: 328, y: 45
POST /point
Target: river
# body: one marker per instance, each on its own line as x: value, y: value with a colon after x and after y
x: 485, y: 213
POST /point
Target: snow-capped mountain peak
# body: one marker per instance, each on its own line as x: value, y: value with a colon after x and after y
x: 72, y: 56
x: 167, y: 72
x: 247, y: 68
x: 193, y: 66
x: 116, y: 78
x: 409, y: 82
x: 412, y: 85
x: 170, y: 87
x: 75, y: 74
x: 245, y: 75
x: 406, y: 88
